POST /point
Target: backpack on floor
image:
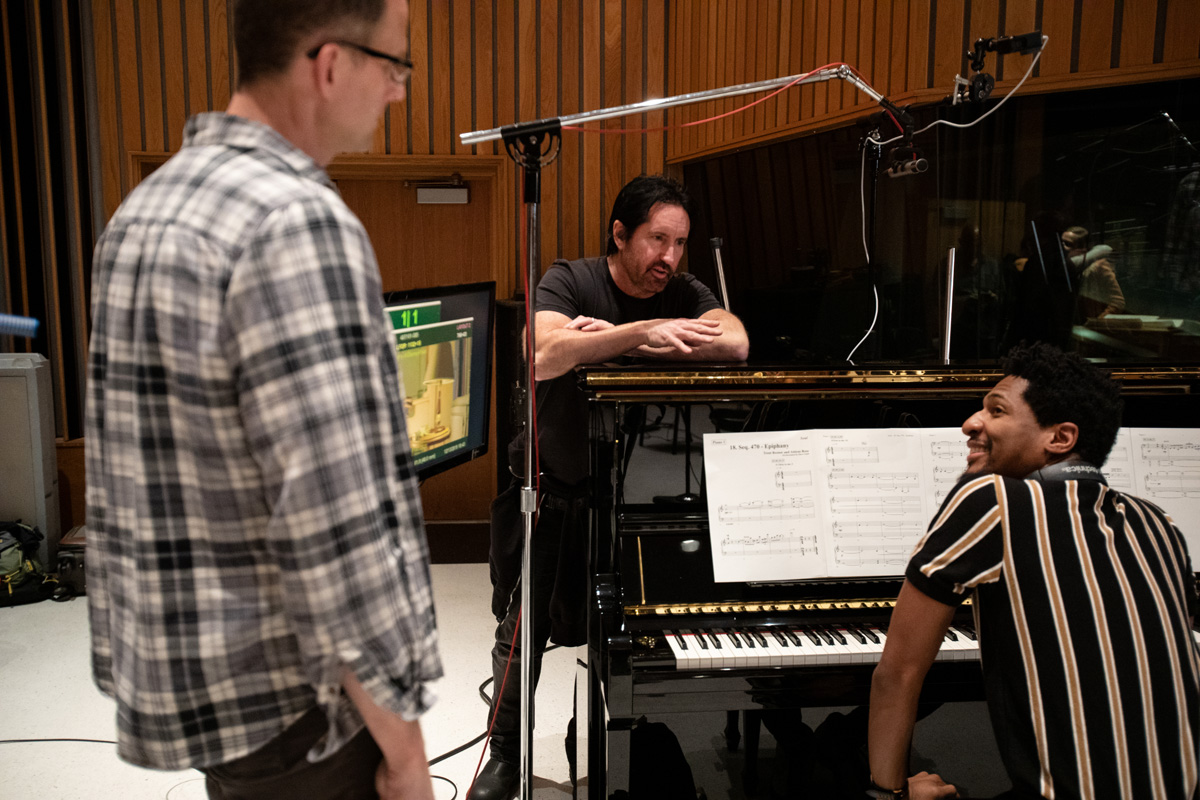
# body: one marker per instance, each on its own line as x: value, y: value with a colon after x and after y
x: 22, y: 578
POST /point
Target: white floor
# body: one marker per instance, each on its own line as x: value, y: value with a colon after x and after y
x: 49, y: 694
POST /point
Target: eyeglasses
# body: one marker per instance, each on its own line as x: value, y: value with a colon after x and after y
x: 400, y: 67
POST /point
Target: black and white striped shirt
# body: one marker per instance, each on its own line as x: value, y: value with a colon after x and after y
x: 1083, y: 597
x: 253, y: 516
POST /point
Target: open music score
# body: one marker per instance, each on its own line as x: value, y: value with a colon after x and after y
x: 863, y: 497
x: 1161, y: 465
x: 793, y: 505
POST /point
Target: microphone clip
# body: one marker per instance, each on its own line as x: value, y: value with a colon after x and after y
x: 979, y: 86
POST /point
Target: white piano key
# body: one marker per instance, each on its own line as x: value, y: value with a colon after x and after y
x: 685, y: 652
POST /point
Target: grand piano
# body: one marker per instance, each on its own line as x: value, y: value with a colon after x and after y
x: 664, y: 637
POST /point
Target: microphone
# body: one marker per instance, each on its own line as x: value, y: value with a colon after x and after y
x: 906, y: 161
x: 901, y: 168
x: 11, y: 325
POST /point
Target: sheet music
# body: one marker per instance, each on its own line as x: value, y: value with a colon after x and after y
x: 787, y: 505
x: 1167, y: 473
x: 792, y: 505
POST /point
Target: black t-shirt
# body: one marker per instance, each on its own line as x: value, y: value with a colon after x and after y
x: 585, y: 287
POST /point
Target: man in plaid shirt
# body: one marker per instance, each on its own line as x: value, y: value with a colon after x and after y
x: 258, y: 574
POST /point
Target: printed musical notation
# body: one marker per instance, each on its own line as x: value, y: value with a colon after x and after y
x: 876, y: 481
x: 867, y: 492
x: 774, y: 544
x: 872, y: 556
x: 908, y: 531
x: 875, y: 505
x: 948, y: 450
x: 842, y: 454
x: 759, y: 510
x: 792, y: 478
x: 1172, y: 454
x: 1173, y: 484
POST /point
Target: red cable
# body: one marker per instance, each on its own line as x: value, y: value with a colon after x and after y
x: 786, y: 86
x: 496, y: 703
x: 893, y: 116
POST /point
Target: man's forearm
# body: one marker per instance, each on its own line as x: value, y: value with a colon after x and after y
x: 893, y: 715
x: 562, y: 349
x: 405, y: 771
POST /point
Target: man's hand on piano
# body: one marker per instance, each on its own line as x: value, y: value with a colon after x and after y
x: 926, y: 786
x: 680, y: 334
x: 587, y: 324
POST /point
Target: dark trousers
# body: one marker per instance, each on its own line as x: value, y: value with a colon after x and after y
x: 280, y: 769
x: 554, y: 522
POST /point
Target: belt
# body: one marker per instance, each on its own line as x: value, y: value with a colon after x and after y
x: 557, y: 503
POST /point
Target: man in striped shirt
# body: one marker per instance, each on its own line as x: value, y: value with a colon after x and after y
x: 1084, y: 599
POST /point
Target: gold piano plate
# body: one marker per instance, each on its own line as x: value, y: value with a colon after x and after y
x: 779, y: 606
x: 640, y: 384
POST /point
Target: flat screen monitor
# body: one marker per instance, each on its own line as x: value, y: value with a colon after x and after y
x: 443, y: 338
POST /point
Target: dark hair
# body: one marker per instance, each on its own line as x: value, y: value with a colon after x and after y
x: 268, y: 33
x: 1063, y: 387
x: 637, y: 197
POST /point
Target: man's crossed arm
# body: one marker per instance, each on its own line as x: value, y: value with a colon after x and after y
x: 564, y: 343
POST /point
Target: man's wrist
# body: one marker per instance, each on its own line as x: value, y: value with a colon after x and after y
x: 877, y: 792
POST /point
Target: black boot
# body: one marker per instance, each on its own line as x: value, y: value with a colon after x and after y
x: 497, y: 781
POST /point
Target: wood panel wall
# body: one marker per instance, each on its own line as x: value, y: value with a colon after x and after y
x: 146, y: 65
x: 480, y: 65
x: 908, y: 50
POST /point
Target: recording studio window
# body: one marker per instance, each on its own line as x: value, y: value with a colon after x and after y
x: 1074, y: 218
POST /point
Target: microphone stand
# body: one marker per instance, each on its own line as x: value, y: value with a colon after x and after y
x: 530, y: 144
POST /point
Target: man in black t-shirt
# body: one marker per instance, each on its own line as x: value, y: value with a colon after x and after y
x: 631, y: 302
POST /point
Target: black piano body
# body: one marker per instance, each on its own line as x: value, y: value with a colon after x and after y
x: 651, y: 575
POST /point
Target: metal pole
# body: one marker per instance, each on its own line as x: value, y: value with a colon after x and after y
x: 529, y: 498
x: 843, y: 73
x: 949, y: 306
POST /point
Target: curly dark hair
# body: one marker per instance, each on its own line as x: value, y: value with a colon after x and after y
x: 636, y: 198
x: 1064, y: 387
x: 267, y: 34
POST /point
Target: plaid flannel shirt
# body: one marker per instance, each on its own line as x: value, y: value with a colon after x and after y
x: 254, y: 525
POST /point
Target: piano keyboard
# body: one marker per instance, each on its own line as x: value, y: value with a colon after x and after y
x: 808, y: 646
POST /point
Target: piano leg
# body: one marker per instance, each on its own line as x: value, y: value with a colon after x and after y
x: 732, y: 735
x: 750, y: 761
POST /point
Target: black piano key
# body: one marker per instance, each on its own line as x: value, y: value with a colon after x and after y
x: 950, y: 637
x: 968, y: 631
x: 716, y: 642
x: 813, y: 635
x: 870, y: 634
x: 779, y: 637
x: 797, y: 640
x: 733, y: 637
x: 824, y: 634
x: 856, y: 634
x: 762, y: 640
x: 836, y: 634
x: 681, y: 637
x: 749, y: 639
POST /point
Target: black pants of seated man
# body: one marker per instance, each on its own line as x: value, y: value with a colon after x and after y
x: 559, y: 604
